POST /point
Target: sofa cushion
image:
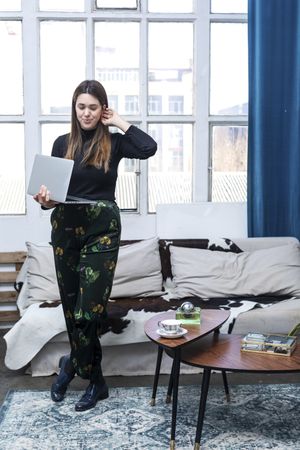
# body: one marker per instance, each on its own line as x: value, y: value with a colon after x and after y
x: 138, y: 273
x: 273, y: 271
x: 218, y: 244
x: 278, y: 318
x: 41, y: 277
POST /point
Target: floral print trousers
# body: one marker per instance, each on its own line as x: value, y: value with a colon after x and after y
x: 85, y: 240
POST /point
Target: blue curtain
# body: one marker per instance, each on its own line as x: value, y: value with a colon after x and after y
x: 274, y: 118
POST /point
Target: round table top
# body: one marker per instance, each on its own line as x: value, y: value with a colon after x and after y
x: 223, y: 352
x: 211, y: 319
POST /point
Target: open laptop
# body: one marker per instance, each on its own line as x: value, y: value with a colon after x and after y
x: 55, y: 173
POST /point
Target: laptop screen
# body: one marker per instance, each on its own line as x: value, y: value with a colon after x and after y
x: 54, y: 173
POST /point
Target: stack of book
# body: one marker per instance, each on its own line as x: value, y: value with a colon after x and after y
x: 274, y: 344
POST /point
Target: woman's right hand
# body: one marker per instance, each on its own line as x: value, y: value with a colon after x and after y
x: 43, y: 198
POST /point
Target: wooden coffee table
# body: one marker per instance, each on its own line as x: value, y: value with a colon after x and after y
x: 211, y: 321
x: 222, y: 352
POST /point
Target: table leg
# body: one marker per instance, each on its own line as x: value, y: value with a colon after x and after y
x: 170, y: 386
x: 224, y: 376
x: 175, y: 373
x: 201, y: 413
x: 225, y: 382
x: 156, y: 376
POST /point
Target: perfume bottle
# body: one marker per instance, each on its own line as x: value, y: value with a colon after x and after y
x: 187, y: 313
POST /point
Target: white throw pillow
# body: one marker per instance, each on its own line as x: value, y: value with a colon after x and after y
x: 138, y: 271
x: 207, y: 274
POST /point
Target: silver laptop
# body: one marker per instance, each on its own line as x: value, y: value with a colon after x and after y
x: 55, y: 173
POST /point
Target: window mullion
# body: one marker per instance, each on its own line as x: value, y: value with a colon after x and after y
x: 90, y: 48
x: 142, y: 181
x: 201, y: 99
x: 31, y: 77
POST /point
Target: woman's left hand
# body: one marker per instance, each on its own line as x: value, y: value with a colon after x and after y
x: 110, y: 117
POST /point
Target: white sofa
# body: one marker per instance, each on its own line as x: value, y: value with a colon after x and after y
x: 257, y: 279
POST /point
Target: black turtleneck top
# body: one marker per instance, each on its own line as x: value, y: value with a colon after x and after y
x: 94, y: 184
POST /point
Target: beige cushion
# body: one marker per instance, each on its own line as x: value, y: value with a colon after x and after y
x: 279, y: 318
x: 273, y: 271
x: 41, y: 276
x: 138, y: 273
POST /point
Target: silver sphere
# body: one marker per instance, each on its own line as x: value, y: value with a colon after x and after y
x: 187, y: 307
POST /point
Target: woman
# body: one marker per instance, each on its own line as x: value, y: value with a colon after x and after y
x: 85, y: 238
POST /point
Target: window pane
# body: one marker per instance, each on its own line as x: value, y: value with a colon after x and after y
x: 171, y: 6
x: 229, y: 6
x: 126, y: 190
x: 12, y: 169
x: 171, y: 65
x: 133, y: 4
x: 229, y: 164
x: 127, y: 182
x: 10, y: 5
x: 50, y: 131
x: 11, y: 73
x: 62, y: 64
x: 116, y: 67
x: 170, y: 170
x: 229, y: 69
x: 61, y: 5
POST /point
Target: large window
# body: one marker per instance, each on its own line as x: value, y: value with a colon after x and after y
x: 176, y: 69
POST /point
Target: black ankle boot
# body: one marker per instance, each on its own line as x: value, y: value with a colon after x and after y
x: 66, y: 375
x: 93, y: 393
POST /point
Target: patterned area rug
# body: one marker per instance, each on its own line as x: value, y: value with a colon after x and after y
x: 258, y: 417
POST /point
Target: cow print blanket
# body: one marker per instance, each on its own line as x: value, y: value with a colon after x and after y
x: 119, y: 310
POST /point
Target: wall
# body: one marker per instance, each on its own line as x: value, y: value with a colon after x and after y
x: 202, y: 219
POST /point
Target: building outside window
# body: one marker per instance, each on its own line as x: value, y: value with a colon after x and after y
x: 179, y: 72
x: 155, y: 104
x: 131, y: 104
x: 176, y: 103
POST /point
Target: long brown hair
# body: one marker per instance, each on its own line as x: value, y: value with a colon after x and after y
x: 98, y: 151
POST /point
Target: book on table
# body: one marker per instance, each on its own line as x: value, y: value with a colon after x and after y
x: 274, y: 344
